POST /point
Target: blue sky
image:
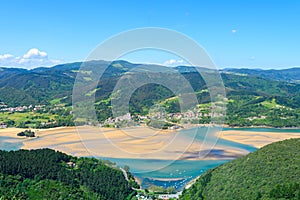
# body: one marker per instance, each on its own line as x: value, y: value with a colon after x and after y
x: 256, y: 33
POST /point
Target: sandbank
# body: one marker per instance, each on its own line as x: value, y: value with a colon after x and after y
x: 256, y: 139
x: 139, y: 142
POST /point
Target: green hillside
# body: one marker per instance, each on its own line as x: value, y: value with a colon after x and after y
x: 47, y: 174
x: 272, y: 172
x: 250, y: 96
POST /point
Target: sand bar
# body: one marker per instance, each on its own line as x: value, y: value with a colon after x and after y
x: 139, y: 142
x: 256, y: 139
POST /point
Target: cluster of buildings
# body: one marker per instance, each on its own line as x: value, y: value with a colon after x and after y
x: 160, y: 196
x: 125, y: 120
x: 190, y: 116
x: 5, y: 108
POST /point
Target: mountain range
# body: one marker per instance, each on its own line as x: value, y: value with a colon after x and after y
x: 290, y: 75
x: 252, y: 93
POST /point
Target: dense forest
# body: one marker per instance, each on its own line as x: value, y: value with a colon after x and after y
x: 48, y: 174
x: 268, y: 173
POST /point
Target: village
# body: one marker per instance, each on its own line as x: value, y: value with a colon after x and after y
x: 47, y: 117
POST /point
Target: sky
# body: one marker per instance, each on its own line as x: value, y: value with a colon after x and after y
x: 249, y: 33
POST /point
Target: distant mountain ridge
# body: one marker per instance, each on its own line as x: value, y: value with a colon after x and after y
x: 39, y: 85
x: 290, y: 75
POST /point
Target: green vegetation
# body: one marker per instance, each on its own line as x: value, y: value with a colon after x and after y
x: 48, y: 117
x: 27, y: 133
x: 46, y: 174
x: 162, y: 190
x: 251, y: 110
x: 159, y: 124
x: 269, y: 173
x: 255, y: 97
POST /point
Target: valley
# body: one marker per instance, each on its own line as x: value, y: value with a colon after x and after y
x: 164, y: 147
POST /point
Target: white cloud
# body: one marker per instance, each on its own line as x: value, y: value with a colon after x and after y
x: 33, y: 58
x: 35, y: 54
x: 6, y: 56
x: 174, y: 62
x: 233, y: 31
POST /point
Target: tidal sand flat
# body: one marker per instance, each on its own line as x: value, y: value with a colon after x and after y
x: 258, y: 139
x: 136, y: 142
x: 144, y: 142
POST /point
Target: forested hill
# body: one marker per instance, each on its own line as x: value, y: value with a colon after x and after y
x: 41, y: 85
x: 259, y: 98
x: 268, y: 173
x: 47, y: 174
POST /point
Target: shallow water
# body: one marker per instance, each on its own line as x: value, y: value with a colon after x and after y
x: 178, y: 173
x: 9, y: 144
x: 210, y: 137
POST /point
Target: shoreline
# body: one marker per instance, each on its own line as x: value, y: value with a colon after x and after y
x: 183, y: 126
